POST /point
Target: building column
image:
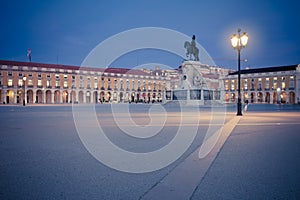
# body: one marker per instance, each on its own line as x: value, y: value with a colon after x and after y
x: 34, y: 96
x: 287, y: 97
x: 52, y: 96
x: 164, y: 96
x: 202, y: 95
x: 84, y: 96
x: 271, y: 98
x: 60, y: 96
x: 76, y: 95
x: 15, y: 95
x: 43, y: 96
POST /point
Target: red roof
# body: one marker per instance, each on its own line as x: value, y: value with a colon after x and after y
x: 71, y: 67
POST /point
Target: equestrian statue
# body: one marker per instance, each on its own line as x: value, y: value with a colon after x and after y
x: 192, y: 52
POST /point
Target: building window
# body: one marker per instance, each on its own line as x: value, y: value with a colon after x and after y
x: 108, y: 82
x: 20, y: 82
x: 39, y: 83
x: 245, y: 84
x: 9, y: 73
x: 39, y: 75
x: 57, y: 76
x: 48, y: 76
x: 73, y: 81
x: 88, y: 82
x: 48, y: 83
x: 57, y: 85
x: 95, y: 83
x: 139, y: 85
x: 81, y: 82
x: 149, y: 86
x: 30, y: 75
x: 232, y: 85
x: 65, y: 84
x: 102, y: 83
x: 226, y: 85
x: 127, y: 84
x: 282, y: 83
x: 30, y: 82
x: 259, y: 83
x: 9, y: 82
x: 291, y: 82
x: 132, y: 84
x: 115, y: 84
x: 252, y: 84
x: 65, y: 76
x: 121, y: 84
x: 20, y: 75
x: 275, y: 83
x: 267, y: 85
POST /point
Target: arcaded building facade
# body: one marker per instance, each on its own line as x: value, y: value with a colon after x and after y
x: 39, y: 83
x: 265, y: 85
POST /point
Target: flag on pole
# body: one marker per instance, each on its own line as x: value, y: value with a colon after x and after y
x: 29, y: 54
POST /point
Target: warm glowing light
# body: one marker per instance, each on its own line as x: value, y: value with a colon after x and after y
x: 24, y: 78
x: 234, y: 40
x: 244, y: 39
x: 278, y: 90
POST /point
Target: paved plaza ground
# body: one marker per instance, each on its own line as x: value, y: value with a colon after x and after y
x: 42, y: 156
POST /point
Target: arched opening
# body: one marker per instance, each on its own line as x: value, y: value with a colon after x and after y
x: 88, y: 97
x: 283, y: 97
x: 102, y: 98
x: 72, y: 97
x: 232, y: 97
x: 252, y: 96
x: 10, y: 96
x: 127, y: 97
x: 108, y: 96
x: 121, y: 96
x: 20, y: 96
x: 48, y: 96
x: 149, y: 97
x: 95, y: 96
x: 292, y: 98
x: 259, y: 97
x: 132, y: 97
x: 65, y: 96
x: 115, y: 97
x: 29, y: 96
x: 39, y: 96
x: 80, y: 97
x: 246, y: 97
x: 267, y: 98
x: 159, y: 97
x: 275, y: 98
x: 226, y: 97
x: 57, y: 96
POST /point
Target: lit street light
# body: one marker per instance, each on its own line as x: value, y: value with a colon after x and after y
x: 24, y: 96
x: 238, y: 42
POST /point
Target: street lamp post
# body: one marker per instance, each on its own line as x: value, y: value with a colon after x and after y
x: 239, y: 41
x: 24, y: 96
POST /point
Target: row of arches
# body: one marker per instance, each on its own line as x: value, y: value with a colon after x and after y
x: 65, y: 96
x: 262, y: 97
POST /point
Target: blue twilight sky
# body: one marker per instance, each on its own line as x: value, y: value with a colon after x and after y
x: 64, y: 32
